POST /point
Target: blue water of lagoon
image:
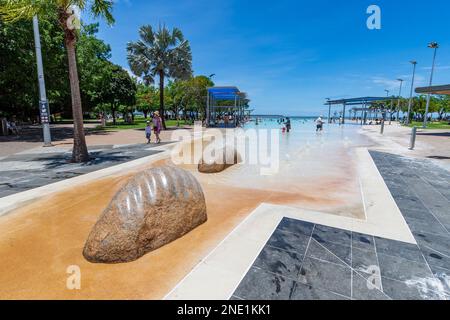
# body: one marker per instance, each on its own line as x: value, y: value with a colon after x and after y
x: 307, y: 165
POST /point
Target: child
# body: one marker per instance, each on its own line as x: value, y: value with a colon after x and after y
x: 148, y: 132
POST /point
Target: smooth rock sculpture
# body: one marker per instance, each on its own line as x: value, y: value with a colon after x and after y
x: 223, y: 158
x: 154, y: 208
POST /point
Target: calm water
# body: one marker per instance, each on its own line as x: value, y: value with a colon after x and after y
x: 303, y: 155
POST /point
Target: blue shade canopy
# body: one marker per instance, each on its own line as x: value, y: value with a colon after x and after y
x: 224, y: 93
x: 357, y: 101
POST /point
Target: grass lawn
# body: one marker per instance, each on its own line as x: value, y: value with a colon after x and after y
x: 432, y: 125
x: 139, y: 123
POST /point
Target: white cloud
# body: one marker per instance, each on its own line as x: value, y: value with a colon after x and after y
x: 388, y: 84
x: 437, y: 68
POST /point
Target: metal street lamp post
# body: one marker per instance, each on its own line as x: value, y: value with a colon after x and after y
x: 399, y: 99
x: 329, y: 110
x: 414, y: 63
x: 43, y: 103
x: 435, y: 46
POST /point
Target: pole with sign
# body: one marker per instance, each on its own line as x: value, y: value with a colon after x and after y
x: 44, y: 110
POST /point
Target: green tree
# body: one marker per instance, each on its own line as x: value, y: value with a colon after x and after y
x: 443, y: 106
x: 161, y: 53
x: 13, y: 10
x: 177, y: 96
x: 118, y: 89
x: 18, y: 77
x: 93, y: 65
x: 419, y: 105
x: 19, y: 95
x: 146, y: 99
x: 197, y: 88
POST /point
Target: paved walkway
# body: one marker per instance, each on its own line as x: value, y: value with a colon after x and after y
x: 62, y: 136
x: 42, y: 166
x: 302, y: 260
x: 422, y: 192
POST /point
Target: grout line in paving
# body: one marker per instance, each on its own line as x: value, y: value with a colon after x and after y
x: 352, y: 269
x: 307, y: 247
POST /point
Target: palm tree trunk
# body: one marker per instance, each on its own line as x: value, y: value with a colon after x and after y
x: 161, y: 99
x: 80, y: 152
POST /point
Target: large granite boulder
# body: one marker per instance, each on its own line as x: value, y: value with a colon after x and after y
x: 224, y: 158
x: 154, y: 208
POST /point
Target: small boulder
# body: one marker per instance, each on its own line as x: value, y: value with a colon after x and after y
x: 154, y: 208
x: 223, y: 158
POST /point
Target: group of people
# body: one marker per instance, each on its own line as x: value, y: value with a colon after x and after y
x: 287, y: 124
x: 225, y: 120
x: 156, y: 126
x: 10, y: 126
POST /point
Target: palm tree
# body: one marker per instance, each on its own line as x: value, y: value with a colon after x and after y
x: 162, y: 53
x: 12, y: 10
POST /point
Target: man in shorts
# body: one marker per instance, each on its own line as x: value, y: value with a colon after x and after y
x: 319, y: 124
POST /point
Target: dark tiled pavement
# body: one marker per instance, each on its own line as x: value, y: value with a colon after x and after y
x: 52, y: 167
x: 421, y: 190
x: 306, y: 261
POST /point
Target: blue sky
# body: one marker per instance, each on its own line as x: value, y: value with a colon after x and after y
x: 290, y: 55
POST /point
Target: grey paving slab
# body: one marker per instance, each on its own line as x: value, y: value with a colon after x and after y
x: 439, y: 243
x: 279, y: 261
x: 427, y: 226
x: 330, y: 252
x: 443, y: 275
x: 289, y: 241
x: 327, y: 276
x: 401, y: 290
x: 423, y: 214
x: 410, y: 202
x: 297, y: 227
x: 399, y: 249
x: 261, y: 285
x: 324, y: 234
x: 363, y: 289
x: 435, y: 258
x: 432, y: 200
x: 39, y: 169
x: 401, y: 269
x: 305, y: 292
x: 364, y: 261
x: 399, y: 190
x: 441, y: 187
x: 363, y: 241
x: 343, y: 265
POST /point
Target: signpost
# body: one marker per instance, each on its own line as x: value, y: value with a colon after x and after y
x: 44, y: 110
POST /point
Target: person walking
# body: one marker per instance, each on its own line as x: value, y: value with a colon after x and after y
x: 226, y: 120
x: 288, y: 124
x: 319, y: 124
x: 157, y: 125
x: 148, y: 131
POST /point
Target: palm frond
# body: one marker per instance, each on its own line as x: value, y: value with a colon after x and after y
x: 146, y: 35
x: 103, y: 9
x: 13, y: 10
x: 160, y: 50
